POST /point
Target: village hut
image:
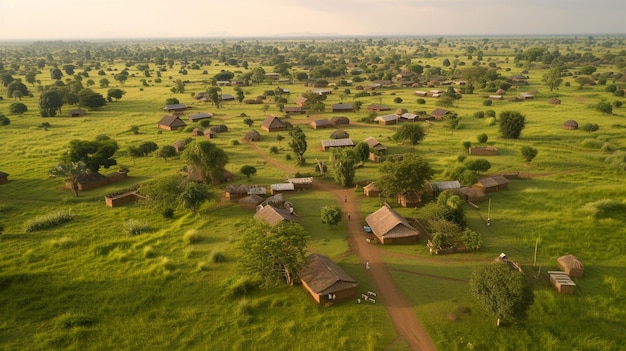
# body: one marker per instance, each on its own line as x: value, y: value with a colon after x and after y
x: 77, y: 113
x: 277, y: 200
x: 483, y: 150
x: 342, y: 107
x: 175, y: 108
x: 199, y: 116
x: 371, y: 190
x: 326, y: 281
x: 88, y: 181
x: 436, y: 187
x: 197, y: 132
x: 210, y: 134
x: 375, y: 144
x: 410, y: 199
x: 500, y: 92
x: 171, y: 122
x: 562, y: 282
x: 554, y: 101
x: 294, y: 110
x: 273, y: 215
x: 179, y: 145
x: 281, y: 188
x: 439, y: 113
x: 387, y: 119
x: 492, y: 184
x: 472, y: 194
x: 338, y: 120
x: 330, y: 143
x: 252, y: 135
x: 339, y: 134
x: 4, y: 178
x: 250, y: 202
x: 391, y: 228
x: 321, y: 123
x: 301, y: 183
x: 571, y: 266
x: 378, y: 107
x: 234, y: 192
x: 570, y: 125
x: 273, y: 124
x: 220, y: 128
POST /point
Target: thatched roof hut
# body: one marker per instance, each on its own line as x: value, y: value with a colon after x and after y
x: 252, y: 135
x: 321, y: 123
x: 179, y: 145
x: 273, y: 215
x: 197, y: 132
x: 340, y: 120
x: 250, y: 202
x: 339, y: 134
x: 220, y: 128
x: 234, y: 191
x: 471, y: 194
x: 554, y: 101
x: 410, y: 199
x: 371, y: 190
x: 571, y: 266
x: 273, y: 124
x: 570, y: 124
x: 391, y: 228
x: 326, y: 281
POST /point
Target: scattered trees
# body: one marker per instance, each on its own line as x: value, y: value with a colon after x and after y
x: 331, y: 215
x: 502, y: 291
x: 273, y: 254
x: 412, y: 132
x: 605, y: 107
x: 208, y: 158
x: 91, y: 99
x: 115, y: 93
x: 248, y: 171
x: 398, y: 176
x: 167, y: 151
x: 511, y: 124
x: 552, y: 78
x: 95, y: 153
x: 343, y: 161
x: 528, y: 153
x: 590, y: 127
x: 70, y: 171
x: 50, y: 102
x: 298, y: 144
x: 18, y: 108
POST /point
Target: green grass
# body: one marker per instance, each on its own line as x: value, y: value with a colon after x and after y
x: 84, y: 283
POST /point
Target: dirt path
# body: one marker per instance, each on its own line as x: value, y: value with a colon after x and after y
x: 398, y: 306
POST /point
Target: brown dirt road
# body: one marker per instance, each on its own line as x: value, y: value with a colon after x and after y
x: 398, y: 306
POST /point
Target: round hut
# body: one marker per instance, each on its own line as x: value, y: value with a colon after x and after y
x: 339, y: 134
x: 197, y: 132
x: 570, y: 125
x: 571, y: 266
x: 179, y: 145
x: 252, y: 135
x: 554, y: 101
x: 220, y: 128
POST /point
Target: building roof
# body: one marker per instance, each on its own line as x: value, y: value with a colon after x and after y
x: 175, y: 107
x: 387, y: 223
x: 172, y: 121
x: 387, y: 118
x: 323, y: 276
x: 374, y: 144
x: 378, y: 107
x: 342, y: 106
x: 322, y: 123
x: 447, y: 185
x: 282, y: 187
x: 226, y: 97
x: 303, y: 180
x: 439, y: 112
x: 251, y: 200
x: 272, y: 122
x: 337, y: 142
x: 408, y: 116
x: 200, y: 115
x: 493, y: 181
x: 371, y: 187
x: 273, y: 215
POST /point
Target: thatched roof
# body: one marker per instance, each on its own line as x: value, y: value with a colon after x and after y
x: 272, y: 122
x: 236, y: 189
x: 251, y: 200
x: 570, y: 124
x: 200, y: 115
x: 327, y: 143
x: 374, y: 144
x: 554, y: 101
x: 371, y: 187
x: 339, y: 134
x: 220, y: 128
x: 273, y: 215
x: 493, y: 181
x: 197, y: 132
x: 171, y: 121
x: 323, y: 276
x: 571, y: 265
x: 387, y: 223
x: 321, y: 123
x: 252, y: 135
x: 340, y: 120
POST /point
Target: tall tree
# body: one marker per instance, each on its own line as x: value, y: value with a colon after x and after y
x: 410, y: 173
x: 343, y: 161
x: 91, y: 99
x: 273, y: 254
x: 331, y: 215
x: 298, y: 144
x: 208, y: 158
x: 511, y: 124
x: 248, y: 170
x: 362, y: 151
x: 502, y: 291
x: 95, y: 154
x: 552, y: 78
x: 50, y: 102
x: 528, y: 153
x: 70, y: 172
x: 192, y: 195
x: 412, y: 132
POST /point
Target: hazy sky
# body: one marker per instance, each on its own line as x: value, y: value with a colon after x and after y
x: 87, y: 19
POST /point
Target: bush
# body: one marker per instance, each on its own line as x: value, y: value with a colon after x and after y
x: 491, y: 121
x: 288, y: 157
x: 134, y: 227
x: 205, y: 123
x: 234, y: 142
x: 487, y: 103
x: 590, y: 143
x: 274, y: 149
x: 421, y: 101
x: 490, y: 113
x: 48, y: 221
x: 4, y: 120
x: 217, y: 257
x: 239, y: 286
x: 167, y: 213
x: 192, y: 237
x: 479, y: 114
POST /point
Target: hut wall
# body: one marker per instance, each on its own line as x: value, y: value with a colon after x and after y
x: 120, y: 200
x: 401, y: 240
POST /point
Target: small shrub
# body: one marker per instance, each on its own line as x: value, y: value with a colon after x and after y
x: 591, y: 143
x: 288, y: 157
x: 192, y: 237
x: 479, y: 114
x: 243, y: 115
x: 217, y: 257
x: 72, y: 320
x: 234, y: 142
x: 205, y: 123
x: 239, y: 286
x: 491, y: 121
x: 134, y: 227
x: 461, y: 158
x: 48, y: 221
x: 274, y: 149
x: 149, y: 252
x: 167, y: 213
x: 490, y: 113
x: 421, y: 101
x: 487, y: 103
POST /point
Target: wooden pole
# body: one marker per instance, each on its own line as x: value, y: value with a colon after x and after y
x: 489, y: 213
x: 536, y: 244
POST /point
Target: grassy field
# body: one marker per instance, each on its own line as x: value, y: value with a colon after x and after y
x: 85, y: 285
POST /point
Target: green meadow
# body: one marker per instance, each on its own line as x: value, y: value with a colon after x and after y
x: 86, y: 285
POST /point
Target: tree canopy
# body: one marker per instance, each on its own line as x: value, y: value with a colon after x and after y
x: 298, y: 144
x: 502, y: 291
x: 208, y: 158
x: 274, y: 254
x: 511, y: 124
x: 70, y: 172
x: 412, y: 132
x: 343, y: 161
x: 410, y: 173
x: 94, y: 153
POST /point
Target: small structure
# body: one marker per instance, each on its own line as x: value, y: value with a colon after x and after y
x: 437, y: 187
x: 526, y: 96
x: 273, y: 215
x: 175, y: 108
x: 171, y: 122
x: 227, y: 97
x: 571, y: 266
x: 281, y: 188
x: 301, y: 183
x: 273, y: 124
x: 321, y: 123
x: 200, y: 116
x: 4, y: 177
x: 301, y: 101
x: 410, y: 199
x: 492, y: 184
x: 562, y: 282
x: 77, y: 113
x: 252, y: 135
x: 338, y: 120
x: 119, y: 199
x: 495, y: 97
x: 339, y: 134
x: 179, y: 145
x: 197, y: 132
x: 371, y: 190
x: 250, y: 202
x: 330, y: 143
x: 210, y: 133
x: 439, y: 113
x: 483, y: 150
x: 472, y: 194
x: 387, y: 119
x: 410, y: 117
x: 235, y: 192
x: 326, y: 281
x: 391, y: 228
x: 554, y: 101
x: 220, y: 128
x: 570, y: 125
x: 257, y: 190
x: 294, y: 110
x: 342, y: 108
x: 378, y: 107
x: 374, y: 144
x: 88, y: 181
